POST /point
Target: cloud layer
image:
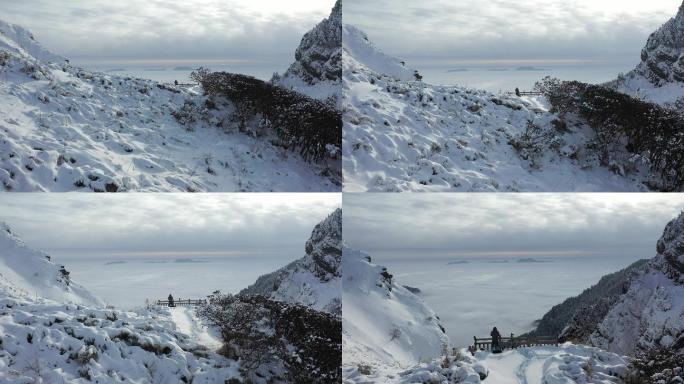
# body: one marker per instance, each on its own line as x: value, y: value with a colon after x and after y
x: 510, y: 29
x: 448, y: 225
x: 259, y: 30
x: 183, y: 224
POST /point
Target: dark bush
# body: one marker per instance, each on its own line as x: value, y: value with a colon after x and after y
x: 298, y: 120
x: 260, y: 331
x: 622, y: 122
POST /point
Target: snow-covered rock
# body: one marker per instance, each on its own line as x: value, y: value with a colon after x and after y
x: 386, y: 329
x: 313, y: 280
x: 405, y: 135
x: 659, y: 77
x: 25, y: 272
x: 650, y: 315
x: 64, y: 128
x: 317, y: 69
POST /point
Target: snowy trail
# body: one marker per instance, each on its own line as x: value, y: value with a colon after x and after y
x: 188, y: 323
x: 551, y: 364
x: 520, y: 366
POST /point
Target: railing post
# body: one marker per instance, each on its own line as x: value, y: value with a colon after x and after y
x: 475, y: 342
x: 512, y: 342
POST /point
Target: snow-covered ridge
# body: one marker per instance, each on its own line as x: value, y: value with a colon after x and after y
x: 405, y: 135
x: 313, y: 280
x: 385, y: 327
x: 25, y: 272
x: 64, y: 128
x: 317, y: 69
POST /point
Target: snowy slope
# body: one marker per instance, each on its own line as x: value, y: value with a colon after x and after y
x: 68, y: 129
x: 313, y: 280
x: 384, y: 326
x: 317, y: 69
x: 651, y: 313
x: 405, y: 135
x: 659, y: 77
x: 59, y: 343
x: 25, y: 272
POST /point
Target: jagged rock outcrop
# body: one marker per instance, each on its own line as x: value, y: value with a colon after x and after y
x: 662, y: 59
x: 313, y: 280
x: 319, y: 55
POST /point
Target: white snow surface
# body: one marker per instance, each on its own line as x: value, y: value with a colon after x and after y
x: 64, y: 128
x: 388, y: 330
x: 28, y: 273
x: 404, y: 135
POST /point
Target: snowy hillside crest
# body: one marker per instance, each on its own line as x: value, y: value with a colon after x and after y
x: 64, y: 128
x: 25, y: 272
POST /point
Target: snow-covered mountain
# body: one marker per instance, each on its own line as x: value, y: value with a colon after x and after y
x: 401, y: 134
x: 651, y: 312
x: 317, y: 69
x: 577, y: 317
x: 659, y: 77
x: 313, y: 280
x: 28, y: 273
x: 64, y: 128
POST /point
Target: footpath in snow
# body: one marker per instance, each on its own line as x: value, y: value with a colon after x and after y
x: 187, y: 322
x: 564, y: 364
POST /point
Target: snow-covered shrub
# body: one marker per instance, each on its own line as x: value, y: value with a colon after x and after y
x: 624, y: 124
x: 261, y: 332
x: 298, y: 120
x: 532, y: 143
x: 658, y: 366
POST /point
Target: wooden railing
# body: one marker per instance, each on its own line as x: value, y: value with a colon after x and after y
x: 524, y: 93
x: 512, y: 342
x: 181, y: 303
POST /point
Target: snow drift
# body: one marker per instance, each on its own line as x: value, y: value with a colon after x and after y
x: 313, y: 280
x: 25, y: 272
x: 64, y: 128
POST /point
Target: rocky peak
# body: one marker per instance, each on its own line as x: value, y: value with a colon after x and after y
x: 325, y: 245
x: 671, y: 245
x: 662, y: 59
x: 319, y: 55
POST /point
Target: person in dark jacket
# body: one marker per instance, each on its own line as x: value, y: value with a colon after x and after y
x: 171, y: 304
x: 517, y: 93
x: 496, y: 338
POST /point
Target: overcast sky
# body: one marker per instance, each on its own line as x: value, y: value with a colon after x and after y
x: 525, y: 225
x: 455, y: 31
x: 86, y: 30
x: 149, y: 224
